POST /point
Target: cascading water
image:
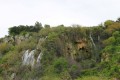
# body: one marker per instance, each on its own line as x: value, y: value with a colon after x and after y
x: 25, y: 57
x: 98, y: 38
x: 92, y: 41
x: 38, y: 61
x: 28, y: 58
x: 96, y: 53
x: 39, y: 58
x: 31, y: 58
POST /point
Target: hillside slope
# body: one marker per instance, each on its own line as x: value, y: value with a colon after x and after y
x: 61, y: 52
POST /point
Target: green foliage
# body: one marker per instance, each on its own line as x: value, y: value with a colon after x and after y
x: 116, y: 34
x: 1, y: 78
x: 50, y: 77
x: 38, y: 26
x: 46, y: 26
x: 112, y: 28
x: 60, y: 65
x: 93, y: 78
x: 62, y: 60
x: 52, y: 36
x: 111, y: 68
x: 109, y: 49
x: 74, y: 71
x: 96, y: 31
x: 109, y: 41
x: 4, y: 48
x: 118, y: 20
x: 21, y: 29
x: 29, y: 44
x: 45, y: 31
x: 65, y: 75
x: 108, y: 23
x: 112, y: 41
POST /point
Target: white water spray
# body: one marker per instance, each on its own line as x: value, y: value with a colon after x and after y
x: 92, y: 41
x: 25, y: 57
x: 28, y: 58
x: 39, y: 58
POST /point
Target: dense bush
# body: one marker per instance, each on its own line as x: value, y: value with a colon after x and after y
x: 4, y: 48
x: 68, y: 52
x: 60, y: 65
x: 21, y: 29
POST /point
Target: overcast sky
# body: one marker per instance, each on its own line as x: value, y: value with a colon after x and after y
x: 55, y: 12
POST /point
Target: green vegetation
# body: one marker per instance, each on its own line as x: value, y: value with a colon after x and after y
x: 21, y: 29
x: 93, y: 78
x: 69, y: 53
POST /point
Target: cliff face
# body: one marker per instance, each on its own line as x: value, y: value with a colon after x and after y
x: 17, y: 39
x: 68, y: 52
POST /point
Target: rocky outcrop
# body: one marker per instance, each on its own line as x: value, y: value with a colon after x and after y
x: 79, y: 51
x: 17, y: 39
x: 8, y: 39
x: 81, y: 44
x: 105, y: 57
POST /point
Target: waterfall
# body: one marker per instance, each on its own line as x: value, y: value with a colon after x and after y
x: 96, y: 52
x: 25, y: 57
x: 98, y: 38
x: 28, y: 58
x: 39, y: 57
x: 31, y: 58
x: 92, y: 41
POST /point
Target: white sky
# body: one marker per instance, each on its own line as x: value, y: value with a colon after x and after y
x: 55, y: 12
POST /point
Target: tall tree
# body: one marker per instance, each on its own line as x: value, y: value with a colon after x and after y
x: 38, y: 26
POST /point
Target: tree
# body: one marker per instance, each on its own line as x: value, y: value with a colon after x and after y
x: 46, y: 26
x: 116, y: 34
x: 108, y: 22
x: 60, y: 65
x: 38, y: 26
x: 118, y: 20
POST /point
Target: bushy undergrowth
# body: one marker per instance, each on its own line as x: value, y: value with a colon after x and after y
x: 68, y: 52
